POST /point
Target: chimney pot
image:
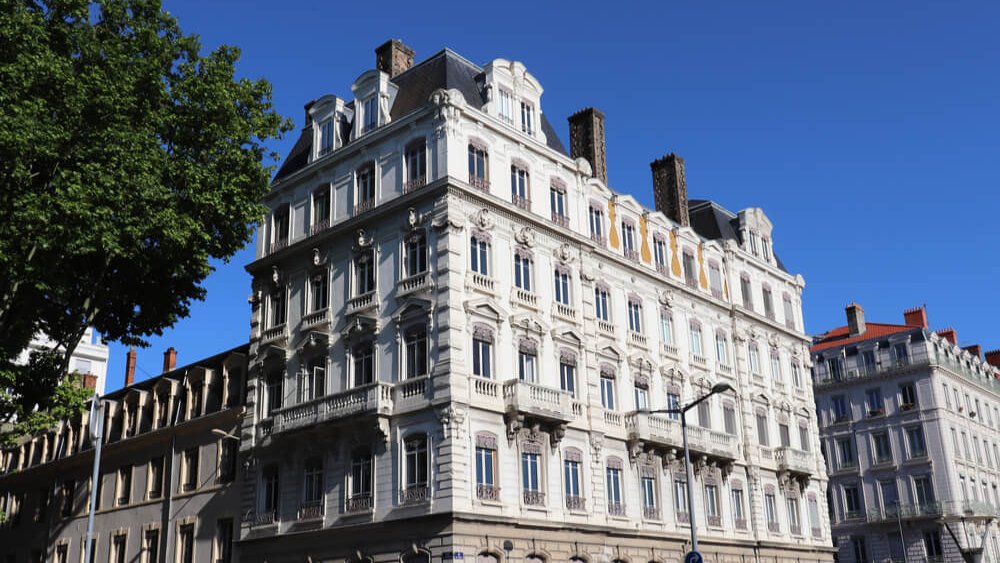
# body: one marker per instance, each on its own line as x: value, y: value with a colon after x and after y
x: 169, y: 359
x: 393, y: 57
x: 586, y: 139
x: 949, y: 334
x: 130, y: 367
x: 855, y: 319
x: 670, y: 188
x: 916, y: 316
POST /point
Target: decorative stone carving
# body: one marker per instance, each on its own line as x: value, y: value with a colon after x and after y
x: 275, y: 275
x: 666, y: 299
x: 525, y: 236
x: 317, y: 259
x: 362, y: 241
x: 444, y: 222
x: 451, y: 421
x: 483, y: 219
x: 564, y: 253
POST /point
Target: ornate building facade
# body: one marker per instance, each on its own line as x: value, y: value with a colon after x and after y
x: 910, y: 424
x: 455, y: 321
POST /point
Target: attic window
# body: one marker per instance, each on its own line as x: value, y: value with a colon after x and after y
x: 527, y: 118
x: 506, y: 106
x: 370, y: 110
x: 326, y: 137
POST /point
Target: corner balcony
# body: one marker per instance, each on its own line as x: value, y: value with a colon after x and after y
x: 372, y: 399
x: 526, y: 402
x: 414, y: 284
x: 795, y: 461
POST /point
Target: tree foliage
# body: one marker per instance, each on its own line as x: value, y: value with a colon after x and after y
x: 128, y: 160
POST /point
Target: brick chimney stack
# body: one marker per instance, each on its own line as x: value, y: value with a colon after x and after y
x: 586, y: 139
x: 949, y: 334
x: 393, y: 57
x: 169, y: 359
x: 993, y: 358
x: 975, y: 349
x: 670, y: 188
x: 916, y: 316
x: 130, y: 367
x: 855, y: 319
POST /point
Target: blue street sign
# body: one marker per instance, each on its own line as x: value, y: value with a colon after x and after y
x: 693, y: 557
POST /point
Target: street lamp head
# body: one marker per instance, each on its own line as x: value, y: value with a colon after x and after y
x: 721, y: 388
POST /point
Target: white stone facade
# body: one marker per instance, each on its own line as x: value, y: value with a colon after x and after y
x: 480, y: 429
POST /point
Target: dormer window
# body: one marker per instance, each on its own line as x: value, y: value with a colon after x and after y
x: 506, y: 106
x: 326, y: 143
x: 766, y: 248
x: 527, y: 118
x: 370, y: 111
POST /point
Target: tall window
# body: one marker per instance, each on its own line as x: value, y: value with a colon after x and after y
x: 486, y: 468
x: 680, y: 498
x: 839, y: 407
x: 771, y: 511
x: 479, y: 256
x: 185, y: 544
x: 68, y: 492
x: 794, y: 518
x: 924, y: 490
x: 796, y: 373
x: 712, y: 504
x: 370, y: 106
x: 282, y: 224
x: 746, y: 292
x: 482, y: 354
x: 314, y: 379
x: 721, y: 349
x: 694, y: 329
x: 596, y: 220
x: 519, y: 187
x: 530, y: 478
x: 705, y: 414
x: 360, y: 481
x: 190, y: 467
x: 416, y: 165
x: 667, y: 329
x: 715, y: 280
x: 561, y: 291
x: 154, y: 486
x: 522, y: 270
x: 690, y: 277
x: 567, y: 375
x: 227, y: 459
x: 613, y: 475
x: 784, y: 435
x: 319, y: 292
x: 739, y: 513
x: 527, y: 362
x: 768, y: 303
x: 272, y: 394
x: 527, y: 118
x: 754, y: 358
x: 647, y: 484
x: 641, y: 396
x: 873, y: 398
x: 908, y: 397
x: 601, y: 303
x: 416, y: 351
x: 674, y: 403
x: 364, y: 272
x: 326, y: 137
x: 635, y: 315
x: 363, y: 356
x: 151, y: 545
x: 729, y: 419
x: 478, y: 162
x: 571, y: 481
x: 775, y: 367
x: 321, y: 207
x: 660, y: 254
x: 557, y: 203
x: 881, y: 447
x: 852, y: 500
x: 124, y: 485
x: 269, y: 495
x: 506, y: 105
x: 608, y: 392
x: 224, y: 540
x: 932, y: 544
x: 277, y: 308
x: 417, y: 462
x: 804, y: 437
x: 416, y: 253
x: 786, y: 303
x: 916, y: 443
x: 365, y: 188
x: 762, y: 428
x: 628, y: 240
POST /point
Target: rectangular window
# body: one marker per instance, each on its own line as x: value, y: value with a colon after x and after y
x: 667, y: 329
x: 839, y: 407
x: 360, y: 485
x: 277, y: 308
x: 784, y: 436
x: 770, y: 510
x: 529, y: 472
x: 272, y: 394
x: 641, y: 397
x: 776, y: 368
x: 628, y: 241
x: 118, y: 548
x: 608, y: 392
x: 908, y: 397
x: 567, y: 378
x: 729, y: 419
x: 561, y: 290
x: 680, y: 497
x: 814, y: 522
x: 746, y: 292
x: 601, y: 304
x: 557, y: 204
x: 363, y: 356
x: 673, y: 403
x: 753, y: 356
x: 712, y: 504
x: 124, y: 485
x: 321, y: 208
x: 224, y: 540
x: 364, y: 273
x: 738, y: 509
x: 660, y: 254
x: 486, y: 468
x: 519, y: 187
x: 62, y: 553
x: 690, y: 276
x: 506, y: 106
x: 282, y: 224
x: 326, y: 143
x: 269, y: 492
x: 571, y: 477
x: 482, y: 352
x: 796, y: 374
x: 613, y: 475
x: 319, y: 292
x: 314, y: 379
x: 695, y: 338
x: 479, y: 255
x: 416, y: 255
x: 794, y: 519
x: 68, y: 497
x: 190, y: 467
x: 416, y: 165
x: 185, y: 544
x: 924, y: 490
x: 915, y: 441
x: 417, y: 462
x: 648, y: 487
x: 859, y: 548
x: 416, y: 352
x: 852, y: 501
x: 845, y: 451
x: 596, y: 217
x: 527, y: 364
x: 635, y: 316
x: 227, y: 459
x: 715, y: 280
x: 789, y: 311
x: 932, y: 544
x: 762, y: 429
x: 881, y: 448
x: 370, y: 108
x: 873, y: 399
x: 365, y: 188
x: 804, y: 437
x: 522, y: 272
x: 721, y: 350
x: 704, y: 414
x: 527, y: 118
x: 478, y: 174
x: 768, y: 303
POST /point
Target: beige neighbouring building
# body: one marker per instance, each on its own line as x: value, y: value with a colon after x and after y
x: 455, y: 320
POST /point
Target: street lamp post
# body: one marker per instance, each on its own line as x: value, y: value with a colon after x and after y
x: 717, y: 388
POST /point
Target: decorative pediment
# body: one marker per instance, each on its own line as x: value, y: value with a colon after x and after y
x: 529, y: 321
x: 486, y: 308
x: 411, y: 308
x: 313, y: 342
x: 641, y: 362
x: 567, y: 335
x: 360, y: 326
x: 612, y: 352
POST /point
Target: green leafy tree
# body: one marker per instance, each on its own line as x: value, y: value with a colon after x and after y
x: 128, y: 160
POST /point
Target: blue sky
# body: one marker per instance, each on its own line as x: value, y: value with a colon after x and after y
x: 867, y: 131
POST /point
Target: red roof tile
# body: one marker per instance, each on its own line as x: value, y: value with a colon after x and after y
x: 841, y: 335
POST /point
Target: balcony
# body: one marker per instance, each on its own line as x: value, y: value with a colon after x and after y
x: 414, y: 494
x: 479, y: 182
x: 277, y: 245
x: 631, y: 254
x: 414, y: 184
x: 616, y: 509
x: 606, y: 328
x: 537, y: 402
x: 360, y: 502
x: 700, y: 361
x: 319, y: 226
x: 413, y: 284
x: 650, y: 513
x: 795, y: 461
x: 316, y: 318
x: 375, y: 398
x: 663, y: 269
x: 364, y: 206
x: 575, y: 503
x: 311, y: 510
x: 599, y: 240
x: 523, y: 297
x: 670, y: 351
x: 275, y: 335
x: 533, y: 498
x: 656, y: 430
x: 887, y: 369
x: 522, y: 202
x: 480, y: 282
x: 561, y: 220
x: 714, y: 444
x: 264, y: 518
x: 488, y: 492
x: 637, y: 339
x: 362, y: 303
x: 565, y: 311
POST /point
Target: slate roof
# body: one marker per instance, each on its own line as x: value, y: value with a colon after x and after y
x: 714, y: 222
x: 444, y: 69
